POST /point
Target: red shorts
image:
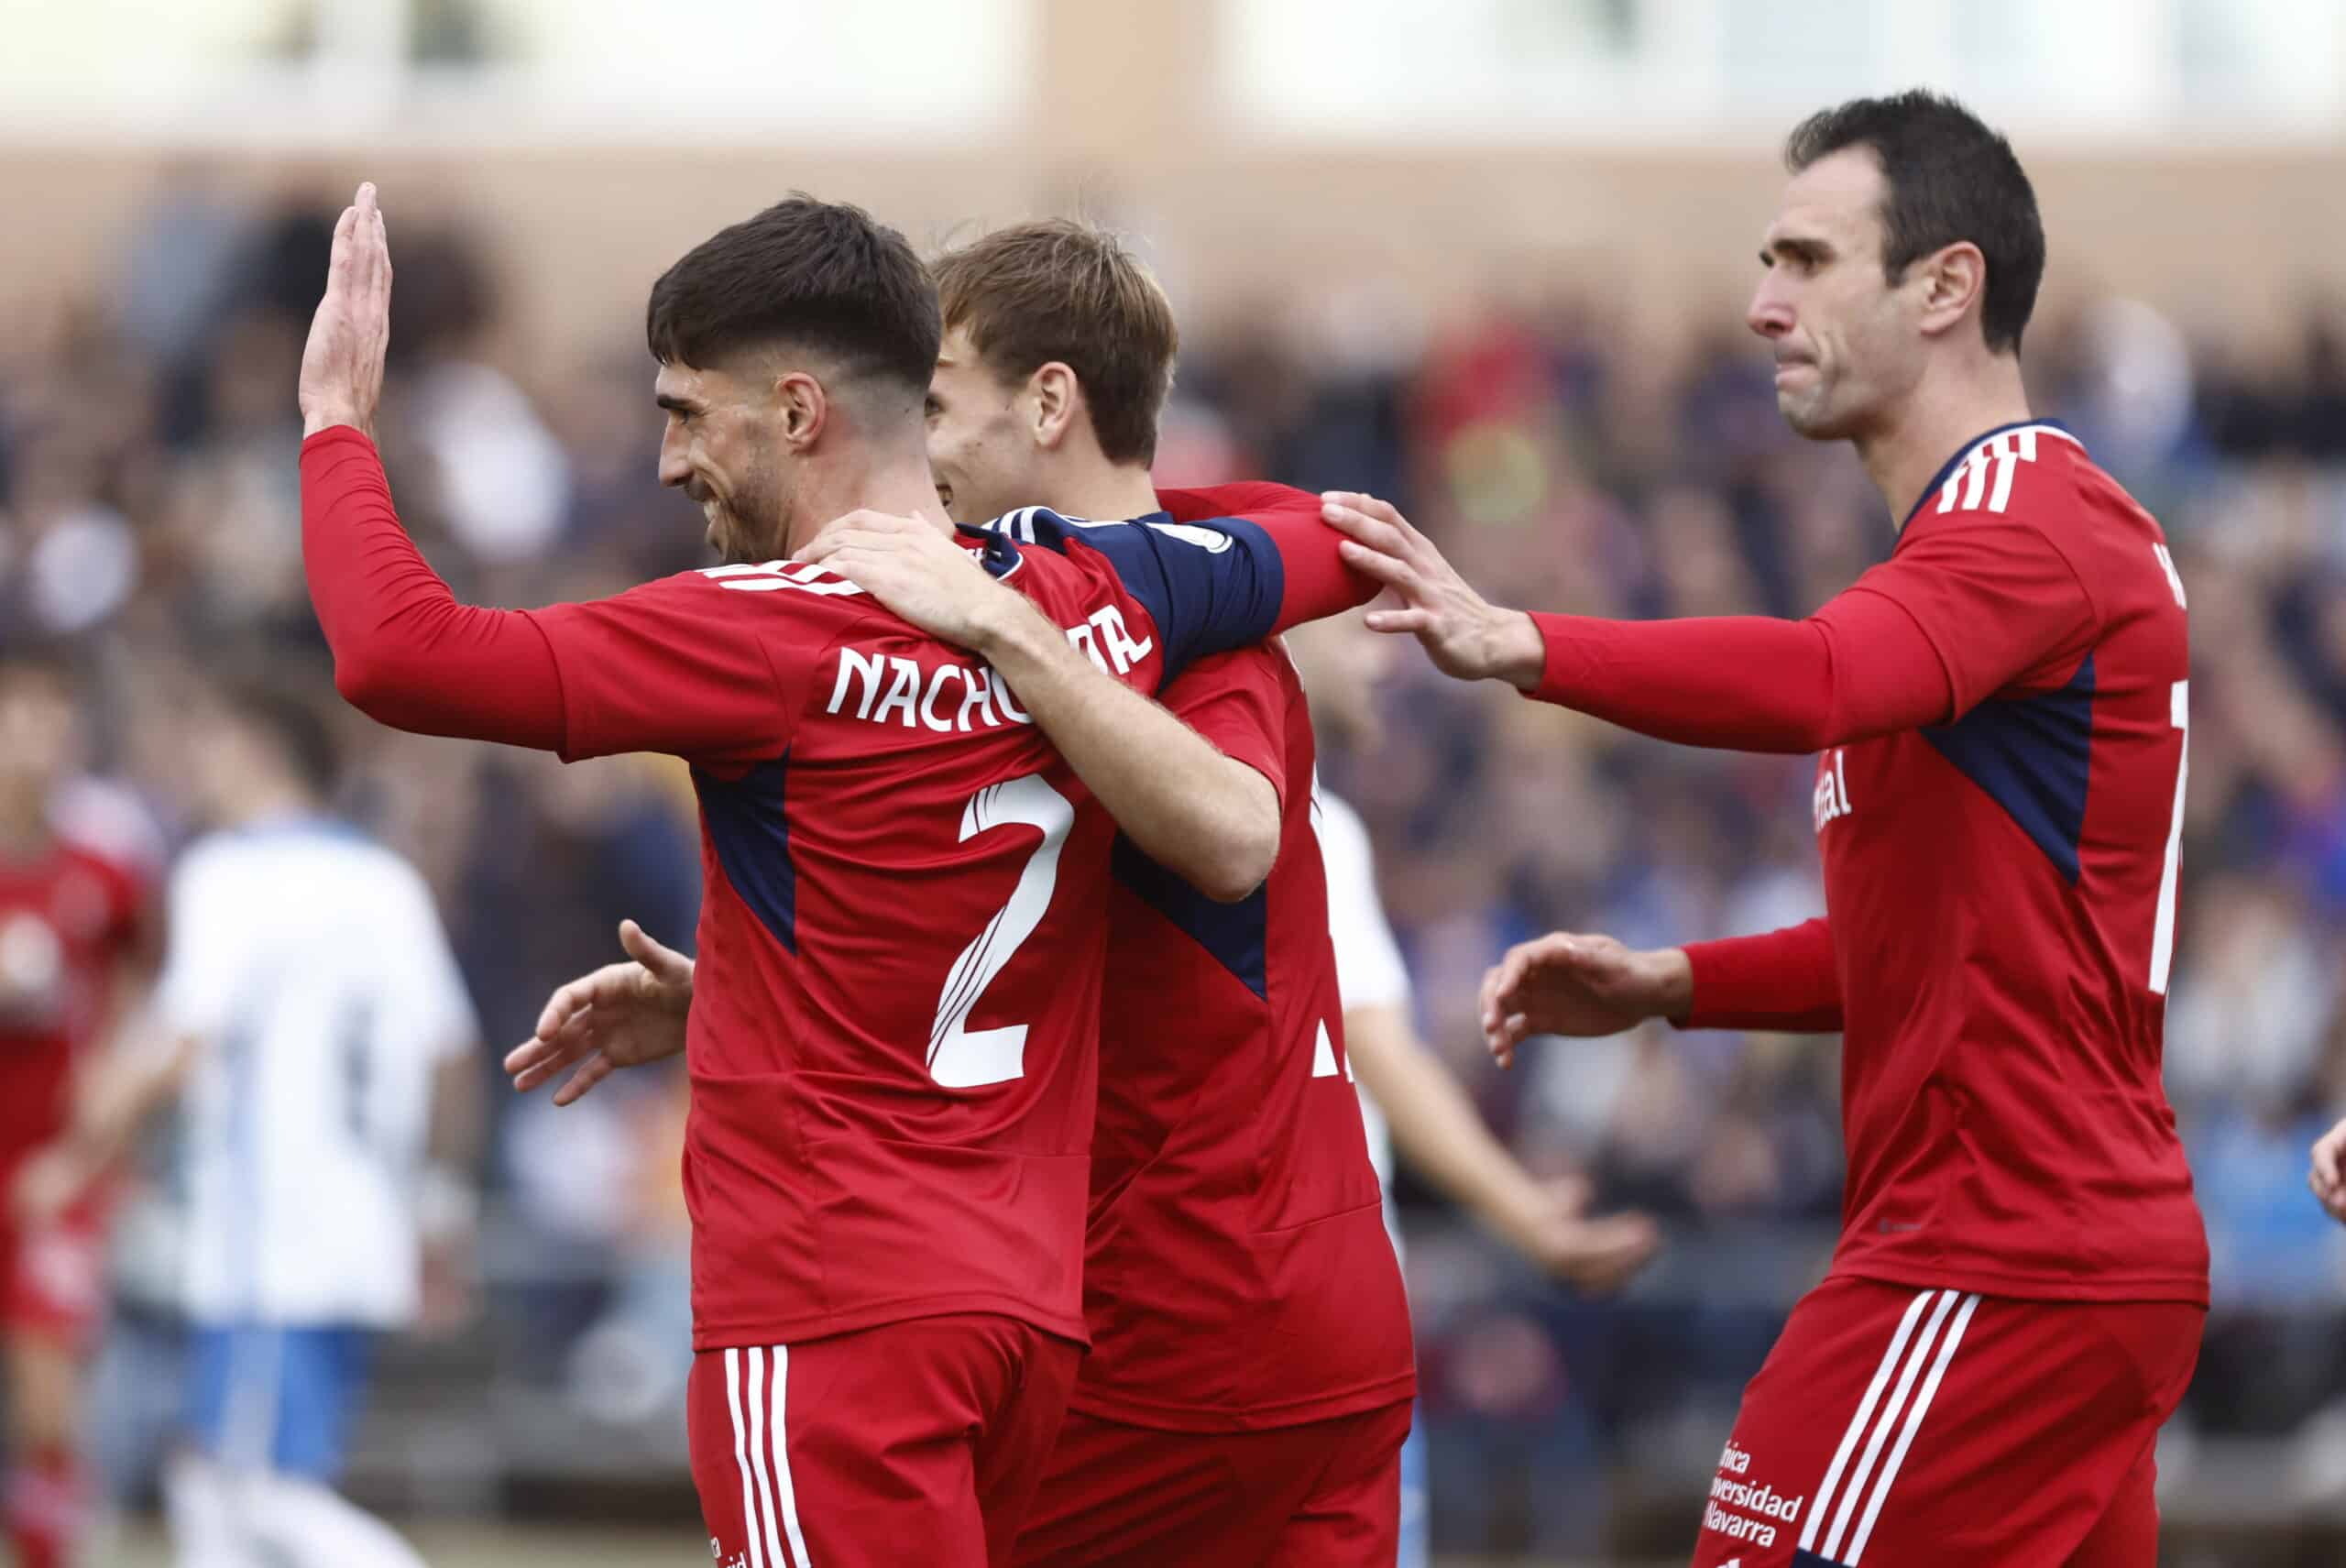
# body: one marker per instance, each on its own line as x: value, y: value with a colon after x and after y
x: 1318, y: 1494
x: 918, y: 1442
x: 53, y: 1278
x: 1909, y: 1428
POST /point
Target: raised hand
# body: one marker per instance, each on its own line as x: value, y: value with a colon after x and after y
x: 1566, y: 984
x: 2328, y: 1178
x: 918, y: 570
x: 622, y: 1015
x: 1467, y: 636
x: 342, y: 365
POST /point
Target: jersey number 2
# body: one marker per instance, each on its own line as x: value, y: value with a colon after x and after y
x: 2163, y: 934
x: 959, y: 1056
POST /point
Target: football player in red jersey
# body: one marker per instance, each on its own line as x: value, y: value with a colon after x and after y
x: 1249, y: 1383
x: 892, y: 1040
x: 76, y: 953
x: 2016, y: 1303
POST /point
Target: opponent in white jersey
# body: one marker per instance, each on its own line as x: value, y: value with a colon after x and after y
x: 312, y: 1017
x: 1408, y: 1099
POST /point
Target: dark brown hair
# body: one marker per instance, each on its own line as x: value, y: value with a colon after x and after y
x: 817, y: 275
x: 1951, y: 179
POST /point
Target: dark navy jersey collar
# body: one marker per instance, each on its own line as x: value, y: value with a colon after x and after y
x: 1947, y: 469
x: 997, y: 552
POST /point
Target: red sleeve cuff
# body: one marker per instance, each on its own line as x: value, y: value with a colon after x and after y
x: 1552, y: 629
x: 1784, y: 979
x: 336, y: 434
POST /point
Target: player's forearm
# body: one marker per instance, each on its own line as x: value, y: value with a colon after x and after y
x: 1785, y: 979
x: 448, y: 1193
x: 406, y: 653
x: 1212, y: 820
x: 459, y: 1116
x: 1860, y: 667
x: 1434, y: 1124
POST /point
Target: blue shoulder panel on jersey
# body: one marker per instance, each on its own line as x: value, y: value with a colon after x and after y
x: 2032, y: 756
x: 1804, y: 1559
x: 1210, y: 587
x: 1234, y: 932
x: 747, y: 829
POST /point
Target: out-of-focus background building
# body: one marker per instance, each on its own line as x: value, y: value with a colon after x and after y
x: 1485, y: 257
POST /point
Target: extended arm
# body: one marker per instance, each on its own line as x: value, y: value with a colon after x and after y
x: 1580, y: 985
x: 405, y: 653
x: 1437, y: 1129
x: 1861, y: 666
x: 1858, y: 667
x: 1951, y: 619
x: 1316, y: 581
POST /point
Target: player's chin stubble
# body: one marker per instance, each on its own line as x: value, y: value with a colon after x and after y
x: 1810, y: 417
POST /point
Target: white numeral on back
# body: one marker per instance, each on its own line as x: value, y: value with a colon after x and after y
x: 960, y: 1057
x: 2163, y: 935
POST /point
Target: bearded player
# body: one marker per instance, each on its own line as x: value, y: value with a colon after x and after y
x: 2016, y: 1303
x: 894, y: 1041
x: 1249, y: 1385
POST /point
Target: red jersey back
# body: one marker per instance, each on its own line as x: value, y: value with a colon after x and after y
x: 2001, y: 890
x: 892, y: 1043
x: 69, y: 918
x: 1237, y: 1271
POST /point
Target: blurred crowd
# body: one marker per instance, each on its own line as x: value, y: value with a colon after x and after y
x: 149, y: 515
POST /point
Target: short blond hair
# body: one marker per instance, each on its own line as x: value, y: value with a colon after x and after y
x: 1065, y: 290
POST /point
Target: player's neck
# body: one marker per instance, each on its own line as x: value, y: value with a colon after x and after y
x: 1101, y: 489
x: 897, y: 483
x: 1938, y: 420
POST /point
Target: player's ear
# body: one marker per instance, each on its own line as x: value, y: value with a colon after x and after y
x: 1054, y: 398
x: 1954, y: 282
x: 802, y: 408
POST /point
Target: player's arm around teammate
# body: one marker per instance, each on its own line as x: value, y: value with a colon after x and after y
x: 1185, y: 803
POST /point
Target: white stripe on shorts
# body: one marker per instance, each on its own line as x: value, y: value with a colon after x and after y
x: 1913, y: 1422
x: 785, y: 1489
x: 753, y: 1396
x: 751, y: 1526
x: 1942, y: 1304
x: 1859, y: 1424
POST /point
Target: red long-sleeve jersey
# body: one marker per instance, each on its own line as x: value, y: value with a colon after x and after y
x: 893, y: 1027
x: 1238, y: 1274
x: 2000, y: 709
